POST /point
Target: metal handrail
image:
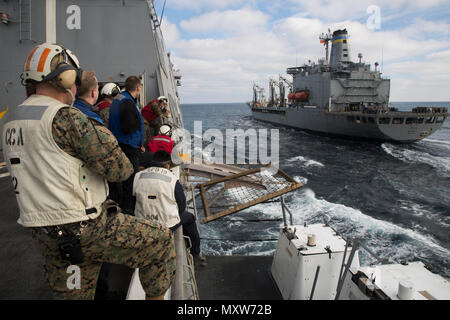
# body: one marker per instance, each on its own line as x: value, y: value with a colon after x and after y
x: 283, y: 208
x: 347, y: 267
x: 355, y: 245
x: 181, y: 249
x: 177, y: 286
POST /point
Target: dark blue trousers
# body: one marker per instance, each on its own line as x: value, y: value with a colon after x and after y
x: 190, y: 230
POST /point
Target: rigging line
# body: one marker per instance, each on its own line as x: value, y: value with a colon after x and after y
x: 162, y: 13
x: 239, y: 240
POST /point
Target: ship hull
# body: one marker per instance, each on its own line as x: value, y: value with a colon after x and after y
x: 353, y: 124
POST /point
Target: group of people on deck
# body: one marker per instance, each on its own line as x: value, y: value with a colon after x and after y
x: 93, y: 178
x: 146, y: 138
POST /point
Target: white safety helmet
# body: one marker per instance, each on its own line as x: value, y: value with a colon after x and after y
x: 39, y: 65
x: 162, y: 98
x: 165, y: 129
x: 110, y: 89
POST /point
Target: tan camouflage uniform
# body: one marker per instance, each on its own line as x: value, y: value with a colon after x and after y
x: 152, y: 128
x: 113, y: 237
x: 104, y: 115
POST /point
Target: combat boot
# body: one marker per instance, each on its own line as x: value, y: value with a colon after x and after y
x: 200, y: 260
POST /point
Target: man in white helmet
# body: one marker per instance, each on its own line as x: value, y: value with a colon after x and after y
x: 107, y: 95
x: 60, y: 161
x: 163, y: 141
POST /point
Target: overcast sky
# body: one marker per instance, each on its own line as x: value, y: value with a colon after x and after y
x: 223, y: 46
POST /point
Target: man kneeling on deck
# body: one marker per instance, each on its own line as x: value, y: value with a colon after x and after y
x: 160, y: 197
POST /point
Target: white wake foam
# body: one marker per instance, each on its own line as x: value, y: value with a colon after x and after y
x: 353, y: 223
x: 379, y: 235
x: 413, y: 156
x: 305, y: 161
x: 440, y: 143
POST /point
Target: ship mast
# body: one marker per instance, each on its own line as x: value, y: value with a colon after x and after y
x: 325, y: 38
x: 272, y: 92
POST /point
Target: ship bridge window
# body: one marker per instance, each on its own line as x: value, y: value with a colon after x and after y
x: 345, y: 55
x: 384, y: 120
x: 430, y: 120
x: 411, y: 120
x: 397, y: 120
x: 354, y: 107
x: 420, y: 120
x: 440, y: 119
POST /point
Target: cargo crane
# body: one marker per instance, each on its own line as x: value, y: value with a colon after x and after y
x: 259, y: 98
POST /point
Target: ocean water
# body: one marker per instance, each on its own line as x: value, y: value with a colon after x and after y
x: 394, y: 197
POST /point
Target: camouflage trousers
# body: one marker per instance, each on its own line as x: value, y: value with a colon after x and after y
x: 114, y: 238
x: 149, y: 131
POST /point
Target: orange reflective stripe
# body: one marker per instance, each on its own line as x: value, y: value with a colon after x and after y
x: 27, y: 68
x: 42, y: 60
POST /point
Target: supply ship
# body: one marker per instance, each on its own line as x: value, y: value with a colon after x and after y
x: 342, y: 98
x: 310, y: 262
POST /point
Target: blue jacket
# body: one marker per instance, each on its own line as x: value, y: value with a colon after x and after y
x: 84, y: 107
x: 134, y: 139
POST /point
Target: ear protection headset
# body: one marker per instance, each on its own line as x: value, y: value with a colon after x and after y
x: 65, y: 76
x: 38, y: 66
x: 115, y: 92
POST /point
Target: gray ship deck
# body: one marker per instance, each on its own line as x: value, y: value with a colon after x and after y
x: 21, y: 264
x: 236, y: 278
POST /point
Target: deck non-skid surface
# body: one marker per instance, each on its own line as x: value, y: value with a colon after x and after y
x: 236, y: 278
x: 21, y: 263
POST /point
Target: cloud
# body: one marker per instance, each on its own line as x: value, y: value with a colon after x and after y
x: 212, y: 68
x: 240, y: 21
x: 335, y: 10
x: 420, y: 88
x: 213, y: 81
x: 425, y: 28
x: 170, y: 33
x: 427, y: 79
x: 435, y: 63
x: 253, y: 46
x: 197, y: 5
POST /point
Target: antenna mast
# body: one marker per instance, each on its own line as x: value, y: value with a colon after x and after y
x: 325, y: 38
